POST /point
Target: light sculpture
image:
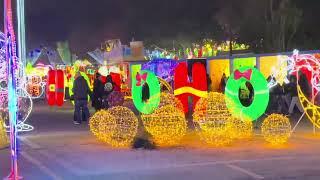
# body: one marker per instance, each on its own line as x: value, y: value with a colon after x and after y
x: 276, y: 129
x: 4, y: 142
x: 167, y: 125
x: 170, y: 99
x: 55, y: 87
x: 12, y: 67
x: 261, y: 93
x: 152, y: 103
x: 213, y: 118
x: 183, y: 88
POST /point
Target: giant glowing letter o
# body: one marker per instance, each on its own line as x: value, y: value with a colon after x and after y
x: 261, y: 93
x: 154, y: 88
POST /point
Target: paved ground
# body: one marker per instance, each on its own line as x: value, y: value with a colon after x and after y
x: 57, y: 149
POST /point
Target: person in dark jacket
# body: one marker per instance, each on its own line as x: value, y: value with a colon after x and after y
x: 81, y: 91
x: 108, y: 88
x: 292, y: 89
x: 98, y: 92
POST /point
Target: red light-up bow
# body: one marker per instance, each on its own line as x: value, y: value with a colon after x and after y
x: 141, y: 79
x: 246, y: 74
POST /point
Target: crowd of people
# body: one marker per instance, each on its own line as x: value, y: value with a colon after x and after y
x: 99, y: 96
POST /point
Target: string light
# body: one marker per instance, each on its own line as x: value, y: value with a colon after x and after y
x: 167, y: 99
x: 242, y: 128
x: 102, y: 125
x: 126, y: 126
x: 276, y: 129
x: 117, y: 126
x: 4, y: 141
x: 167, y: 125
x: 213, y: 117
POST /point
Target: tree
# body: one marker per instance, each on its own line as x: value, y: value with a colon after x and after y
x: 282, y: 19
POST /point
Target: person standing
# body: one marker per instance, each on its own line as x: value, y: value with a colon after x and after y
x: 98, y: 91
x: 292, y: 88
x: 108, y: 88
x: 81, y: 91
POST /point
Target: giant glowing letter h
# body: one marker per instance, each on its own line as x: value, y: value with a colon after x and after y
x: 184, y: 88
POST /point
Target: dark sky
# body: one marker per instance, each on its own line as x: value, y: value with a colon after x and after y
x: 87, y: 23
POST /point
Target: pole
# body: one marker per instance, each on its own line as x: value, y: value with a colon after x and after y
x: 12, y: 67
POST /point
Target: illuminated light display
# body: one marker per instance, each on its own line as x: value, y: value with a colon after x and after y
x: 3, y: 73
x: 51, y: 88
x: 308, y: 64
x: 163, y: 68
x: 279, y: 72
x: 167, y: 125
x: 59, y: 93
x: 276, y: 129
x: 4, y: 141
x: 183, y: 88
x: 243, y: 129
x: 152, y: 103
x: 261, y: 93
x: 244, y: 62
x: 115, y: 98
x: 170, y: 99
x: 217, y: 68
x: 117, y: 126
x: 102, y: 125
x: 213, y: 117
x: 13, y: 80
x: 164, y: 83
x: 126, y: 126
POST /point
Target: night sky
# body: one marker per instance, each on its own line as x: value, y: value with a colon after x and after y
x: 87, y: 23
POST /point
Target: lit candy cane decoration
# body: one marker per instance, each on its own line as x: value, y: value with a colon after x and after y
x: 12, y: 87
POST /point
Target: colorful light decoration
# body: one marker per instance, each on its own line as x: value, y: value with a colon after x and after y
x: 55, y: 87
x: 242, y: 128
x: 276, y: 129
x: 3, y: 73
x: 184, y: 88
x: 4, y: 141
x: 115, y: 98
x: 261, y: 93
x: 213, y: 117
x: 167, y: 125
x: 102, y: 125
x: 310, y: 65
x: 126, y: 126
x: 12, y: 64
x: 170, y: 99
x: 117, y: 126
x: 154, y: 88
x: 163, y: 68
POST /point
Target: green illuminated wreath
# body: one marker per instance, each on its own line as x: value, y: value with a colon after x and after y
x: 142, y: 77
x: 260, y: 98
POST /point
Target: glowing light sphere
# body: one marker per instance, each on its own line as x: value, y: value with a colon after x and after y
x: 213, y: 117
x: 276, y: 129
x: 126, y: 126
x: 4, y: 141
x: 167, y: 125
x: 116, y: 126
x: 167, y: 99
x: 102, y: 125
x: 242, y: 128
